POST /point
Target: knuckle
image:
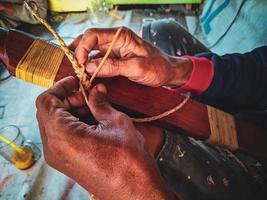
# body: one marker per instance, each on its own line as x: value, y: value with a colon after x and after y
x: 113, y: 65
x: 114, y: 62
x: 122, y: 118
x: 126, y: 30
x: 42, y: 99
x: 88, y: 33
x: 90, y: 30
x: 103, y: 125
x: 79, y: 36
x: 51, y: 104
x: 128, y: 34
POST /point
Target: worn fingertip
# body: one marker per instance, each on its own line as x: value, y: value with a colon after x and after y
x: 101, y: 88
x: 91, y: 67
x: 98, y: 95
x: 81, y: 58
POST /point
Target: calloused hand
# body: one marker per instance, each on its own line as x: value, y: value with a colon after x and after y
x: 131, y: 57
x: 110, y: 158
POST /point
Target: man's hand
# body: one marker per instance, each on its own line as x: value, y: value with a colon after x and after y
x: 131, y: 57
x: 110, y: 158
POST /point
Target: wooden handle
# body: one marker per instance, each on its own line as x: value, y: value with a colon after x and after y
x: 138, y: 100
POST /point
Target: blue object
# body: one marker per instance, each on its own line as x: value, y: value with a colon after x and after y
x: 209, y: 16
x: 206, y: 14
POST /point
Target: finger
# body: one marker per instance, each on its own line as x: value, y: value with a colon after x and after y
x: 81, y: 112
x: 75, y: 43
x: 109, y: 69
x: 92, y: 39
x: 130, y: 67
x: 76, y: 100
x: 63, y: 88
x: 98, y: 104
x: 100, y: 54
x: 52, y: 98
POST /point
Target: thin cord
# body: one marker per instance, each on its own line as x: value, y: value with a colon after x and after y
x: 33, y: 8
x: 165, y: 114
x: 79, y: 69
x: 86, y: 83
x: 106, y: 55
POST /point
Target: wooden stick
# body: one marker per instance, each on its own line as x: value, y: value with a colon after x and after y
x: 142, y: 101
x: 11, y: 144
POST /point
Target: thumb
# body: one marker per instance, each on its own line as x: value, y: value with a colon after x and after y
x: 99, y: 105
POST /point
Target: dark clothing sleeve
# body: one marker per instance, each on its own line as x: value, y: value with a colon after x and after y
x: 239, y: 82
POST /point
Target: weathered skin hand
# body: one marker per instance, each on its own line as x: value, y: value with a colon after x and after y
x: 110, y: 158
x: 153, y: 135
x: 131, y: 57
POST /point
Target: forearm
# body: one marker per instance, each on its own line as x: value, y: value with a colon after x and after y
x: 240, y: 80
x: 233, y: 82
x: 134, y: 182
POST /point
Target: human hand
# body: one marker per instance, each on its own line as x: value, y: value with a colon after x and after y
x: 131, y: 57
x: 154, y: 135
x: 111, y: 158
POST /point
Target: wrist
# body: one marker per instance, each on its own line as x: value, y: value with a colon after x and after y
x: 180, y: 71
x: 146, y: 181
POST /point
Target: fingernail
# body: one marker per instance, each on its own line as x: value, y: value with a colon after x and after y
x: 101, y: 88
x: 90, y: 67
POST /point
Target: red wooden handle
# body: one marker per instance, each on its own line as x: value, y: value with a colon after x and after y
x: 192, y: 119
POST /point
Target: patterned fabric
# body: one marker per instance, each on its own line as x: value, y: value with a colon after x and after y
x: 197, y: 171
x: 171, y: 38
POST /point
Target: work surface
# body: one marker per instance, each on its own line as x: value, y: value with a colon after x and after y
x: 17, y: 107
